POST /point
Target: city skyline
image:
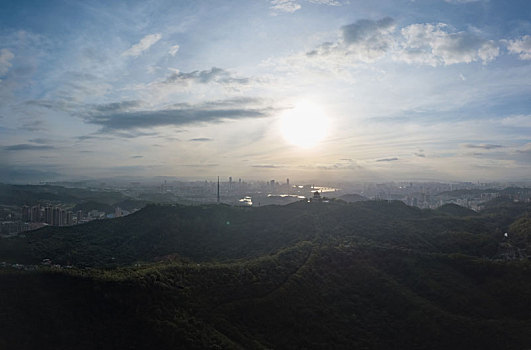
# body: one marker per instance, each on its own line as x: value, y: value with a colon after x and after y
x: 305, y: 89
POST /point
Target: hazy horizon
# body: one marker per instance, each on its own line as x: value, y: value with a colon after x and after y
x: 434, y: 90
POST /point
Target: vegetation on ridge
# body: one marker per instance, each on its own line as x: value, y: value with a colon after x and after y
x: 367, y: 275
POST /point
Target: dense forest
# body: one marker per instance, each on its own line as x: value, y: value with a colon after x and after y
x: 363, y: 275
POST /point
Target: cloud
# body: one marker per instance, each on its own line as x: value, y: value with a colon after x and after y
x: 88, y: 137
x: 5, y: 57
x: 207, y: 165
x: 33, y: 125
x: 524, y: 154
x: 40, y: 140
x: 27, y: 147
x: 51, y: 104
x: 200, y: 139
x: 326, y: 2
x: 518, y: 121
x: 482, y: 146
x: 364, y: 40
x: 387, y: 159
x: 520, y: 47
x: 436, y: 44
x: 288, y: 6
x: 131, y: 134
x: 124, y: 119
x: 144, y: 44
x: 460, y: 1
x: 117, y: 106
x: 217, y: 75
x: 367, y: 39
x: 173, y: 50
x: 267, y: 166
x: 429, y: 44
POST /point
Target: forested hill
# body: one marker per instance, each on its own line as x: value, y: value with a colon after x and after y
x: 220, y: 232
x: 364, y: 275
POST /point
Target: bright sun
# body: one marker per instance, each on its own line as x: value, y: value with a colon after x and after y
x: 305, y: 125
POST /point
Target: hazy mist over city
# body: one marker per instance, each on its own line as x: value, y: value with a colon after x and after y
x: 310, y: 89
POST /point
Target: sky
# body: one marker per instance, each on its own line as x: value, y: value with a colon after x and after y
x: 330, y: 90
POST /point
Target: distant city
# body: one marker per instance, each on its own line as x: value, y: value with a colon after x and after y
x: 39, y: 212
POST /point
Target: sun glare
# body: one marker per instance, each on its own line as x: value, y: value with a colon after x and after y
x: 305, y: 125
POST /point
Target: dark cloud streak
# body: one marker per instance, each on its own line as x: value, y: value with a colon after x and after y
x: 119, y: 118
x: 27, y: 147
x: 200, y: 139
x: 387, y: 159
x: 482, y: 146
x: 215, y: 74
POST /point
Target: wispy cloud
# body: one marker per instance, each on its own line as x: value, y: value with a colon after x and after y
x: 173, y: 50
x: 520, y: 47
x: 267, y: 166
x: 387, y: 159
x: 482, y: 146
x: 214, y: 74
x: 439, y: 45
x: 518, y: 121
x: 144, y: 44
x: 27, y: 147
x: 5, y: 60
x: 201, y: 139
x: 290, y: 6
x: 461, y: 1
x: 40, y: 140
x: 206, y: 165
x: 33, y: 125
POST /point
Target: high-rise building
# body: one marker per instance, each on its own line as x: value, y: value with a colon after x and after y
x: 218, y: 190
x: 79, y: 216
x: 57, y: 217
x: 36, y: 213
x: 26, y: 213
x: 48, y: 215
x: 62, y: 218
x: 69, y: 218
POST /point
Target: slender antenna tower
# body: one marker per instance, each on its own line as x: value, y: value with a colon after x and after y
x: 218, y: 189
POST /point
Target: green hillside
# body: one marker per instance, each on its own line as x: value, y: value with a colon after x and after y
x: 365, y: 275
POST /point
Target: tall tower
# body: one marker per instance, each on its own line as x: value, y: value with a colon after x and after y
x: 218, y: 189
